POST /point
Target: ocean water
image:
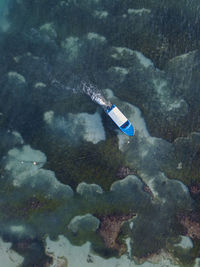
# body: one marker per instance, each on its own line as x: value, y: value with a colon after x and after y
x: 74, y: 189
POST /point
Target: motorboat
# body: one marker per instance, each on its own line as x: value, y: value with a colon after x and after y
x: 120, y: 120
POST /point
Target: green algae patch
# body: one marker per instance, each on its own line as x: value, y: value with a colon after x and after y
x: 88, y: 162
x: 30, y: 207
x: 72, y: 104
x: 185, y: 256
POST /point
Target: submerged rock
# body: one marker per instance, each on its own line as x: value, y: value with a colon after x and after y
x: 123, y: 172
x: 16, y: 78
x: 130, y: 192
x: 195, y: 189
x: 77, y: 127
x: 187, y: 155
x: 184, y: 72
x: 101, y: 14
x: 72, y: 46
x: 48, y: 29
x: 191, y: 222
x: 185, y: 243
x: 24, y: 167
x: 75, y: 49
x: 89, y: 190
x: 110, y: 228
x: 24, y: 162
x: 86, y: 223
x: 182, y: 69
x: 8, y: 256
x: 96, y: 39
x: 118, y: 74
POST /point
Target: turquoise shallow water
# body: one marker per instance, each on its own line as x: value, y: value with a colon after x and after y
x: 74, y: 190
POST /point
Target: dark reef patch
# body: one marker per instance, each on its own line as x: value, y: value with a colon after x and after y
x: 90, y: 163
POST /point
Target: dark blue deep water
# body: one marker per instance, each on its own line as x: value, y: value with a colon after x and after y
x: 74, y: 190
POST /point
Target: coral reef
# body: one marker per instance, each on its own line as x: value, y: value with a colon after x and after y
x: 192, y: 224
x: 110, y: 228
x: 66, y: 172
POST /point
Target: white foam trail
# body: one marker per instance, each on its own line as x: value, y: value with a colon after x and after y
x: 96, y: 96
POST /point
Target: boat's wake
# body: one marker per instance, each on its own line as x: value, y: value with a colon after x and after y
x: 95, y: 95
